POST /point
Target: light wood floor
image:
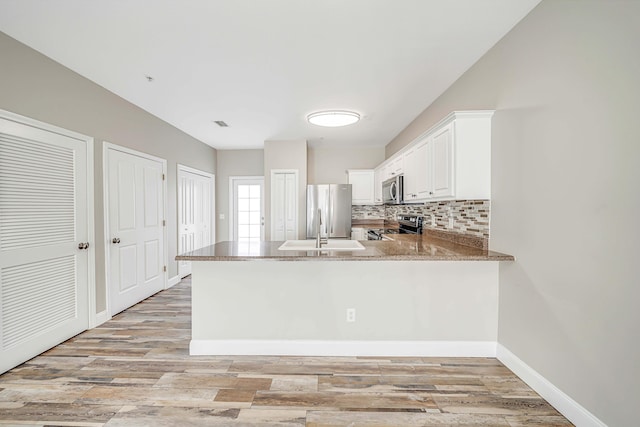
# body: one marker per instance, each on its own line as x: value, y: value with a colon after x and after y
x: 135, y: 371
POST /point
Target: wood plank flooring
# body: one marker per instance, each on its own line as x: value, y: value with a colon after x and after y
x: 135, y: 370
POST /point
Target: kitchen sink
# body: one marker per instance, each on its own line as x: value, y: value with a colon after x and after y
x: 331, y: 245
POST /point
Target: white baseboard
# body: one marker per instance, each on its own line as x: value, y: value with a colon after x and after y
x: 101, y: 317
x: 343, y: 348
x: 173, y: 281
x: 568, y: 407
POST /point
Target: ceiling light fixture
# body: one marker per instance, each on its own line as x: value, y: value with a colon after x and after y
x: 333, y: 118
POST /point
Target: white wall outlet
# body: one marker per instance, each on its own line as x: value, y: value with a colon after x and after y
x: 351, y: 314
x: 450, y: 222
x: 221, y: 216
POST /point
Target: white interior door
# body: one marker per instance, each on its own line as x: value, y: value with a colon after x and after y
x: 44, y: 245
x: 284, y: 205
x: 195, y: 212
x: 135, y: 233
x: 247, y: 209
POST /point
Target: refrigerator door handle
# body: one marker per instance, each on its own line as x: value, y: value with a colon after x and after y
x: 330, y: 219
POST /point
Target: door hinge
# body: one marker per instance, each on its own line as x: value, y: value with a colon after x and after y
x: 164, y: 268
x: 163, y: 177
x: 164, y: 222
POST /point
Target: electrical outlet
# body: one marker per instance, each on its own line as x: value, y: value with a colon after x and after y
x: 221, y: 216
x: 450, y: 222
x: 351, y: 314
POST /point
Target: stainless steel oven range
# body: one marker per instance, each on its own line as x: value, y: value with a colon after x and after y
x: 407, y: 224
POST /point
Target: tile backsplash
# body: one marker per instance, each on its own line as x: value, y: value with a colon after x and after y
x: 368, y: 212
x: 469, y: 217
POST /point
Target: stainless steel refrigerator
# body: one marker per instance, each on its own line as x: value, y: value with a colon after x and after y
x: 330, y: 204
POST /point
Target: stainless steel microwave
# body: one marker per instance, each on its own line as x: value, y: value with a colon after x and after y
x: 392, y: 190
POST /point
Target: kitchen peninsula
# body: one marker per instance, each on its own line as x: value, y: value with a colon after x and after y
x: 413, y: 296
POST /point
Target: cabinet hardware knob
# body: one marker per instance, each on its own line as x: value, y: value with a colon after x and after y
x: 83, y: 245
x: 115, y: 240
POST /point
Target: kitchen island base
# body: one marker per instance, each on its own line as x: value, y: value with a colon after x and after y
x: 402, y: 308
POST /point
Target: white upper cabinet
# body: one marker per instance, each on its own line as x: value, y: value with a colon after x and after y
x: 392, y: 167
x: 452, y: 160
x: 396, y: 166
x: 442, y: 163
x: 362, y: 182
x: 423, y: 170
x: 411, y: 165
x: 377, y: 182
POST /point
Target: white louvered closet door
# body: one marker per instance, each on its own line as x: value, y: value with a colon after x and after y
x: 43, y: 220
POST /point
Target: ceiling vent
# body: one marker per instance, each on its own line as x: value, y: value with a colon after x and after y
x: 221, y: 123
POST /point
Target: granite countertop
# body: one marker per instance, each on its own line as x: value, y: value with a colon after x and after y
x: 401, y: 248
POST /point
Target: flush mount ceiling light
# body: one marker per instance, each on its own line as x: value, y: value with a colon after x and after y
x: 333, y: 118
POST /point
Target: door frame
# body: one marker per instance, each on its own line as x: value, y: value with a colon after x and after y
x: 272, y: 219
x: 106, y: 146
x: 232, y: 200
x: 94, y: 318
x: 182, y: 168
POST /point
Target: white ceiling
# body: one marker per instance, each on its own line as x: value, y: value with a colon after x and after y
x: 263, y: 65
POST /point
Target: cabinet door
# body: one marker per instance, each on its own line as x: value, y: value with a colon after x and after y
x: 442, y: 147
x: 423, y: 170
x: 410, y: 175
x: 397, y: 166
x: 358, y: 234
x: 385, y: 172
x: 362, y: 186
x: 377, y: 182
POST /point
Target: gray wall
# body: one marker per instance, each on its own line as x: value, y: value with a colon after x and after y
x: 329, y: 165
x: 286, y: 155
x: 566, y: 202
x: 233, y: 163
x: 35, y: 86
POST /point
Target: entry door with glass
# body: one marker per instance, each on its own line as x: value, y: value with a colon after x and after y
x: 248, y: 209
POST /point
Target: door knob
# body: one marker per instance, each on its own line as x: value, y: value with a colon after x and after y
x: 115, y: 240
x: 83, y: 245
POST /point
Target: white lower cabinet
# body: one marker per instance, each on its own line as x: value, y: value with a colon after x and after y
x: 358, y: 233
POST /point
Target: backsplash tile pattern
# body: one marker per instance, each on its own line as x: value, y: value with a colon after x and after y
x: 367, y: 212
x: 470, y: 217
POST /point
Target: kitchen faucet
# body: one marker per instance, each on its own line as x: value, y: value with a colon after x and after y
x: 319, y: 240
